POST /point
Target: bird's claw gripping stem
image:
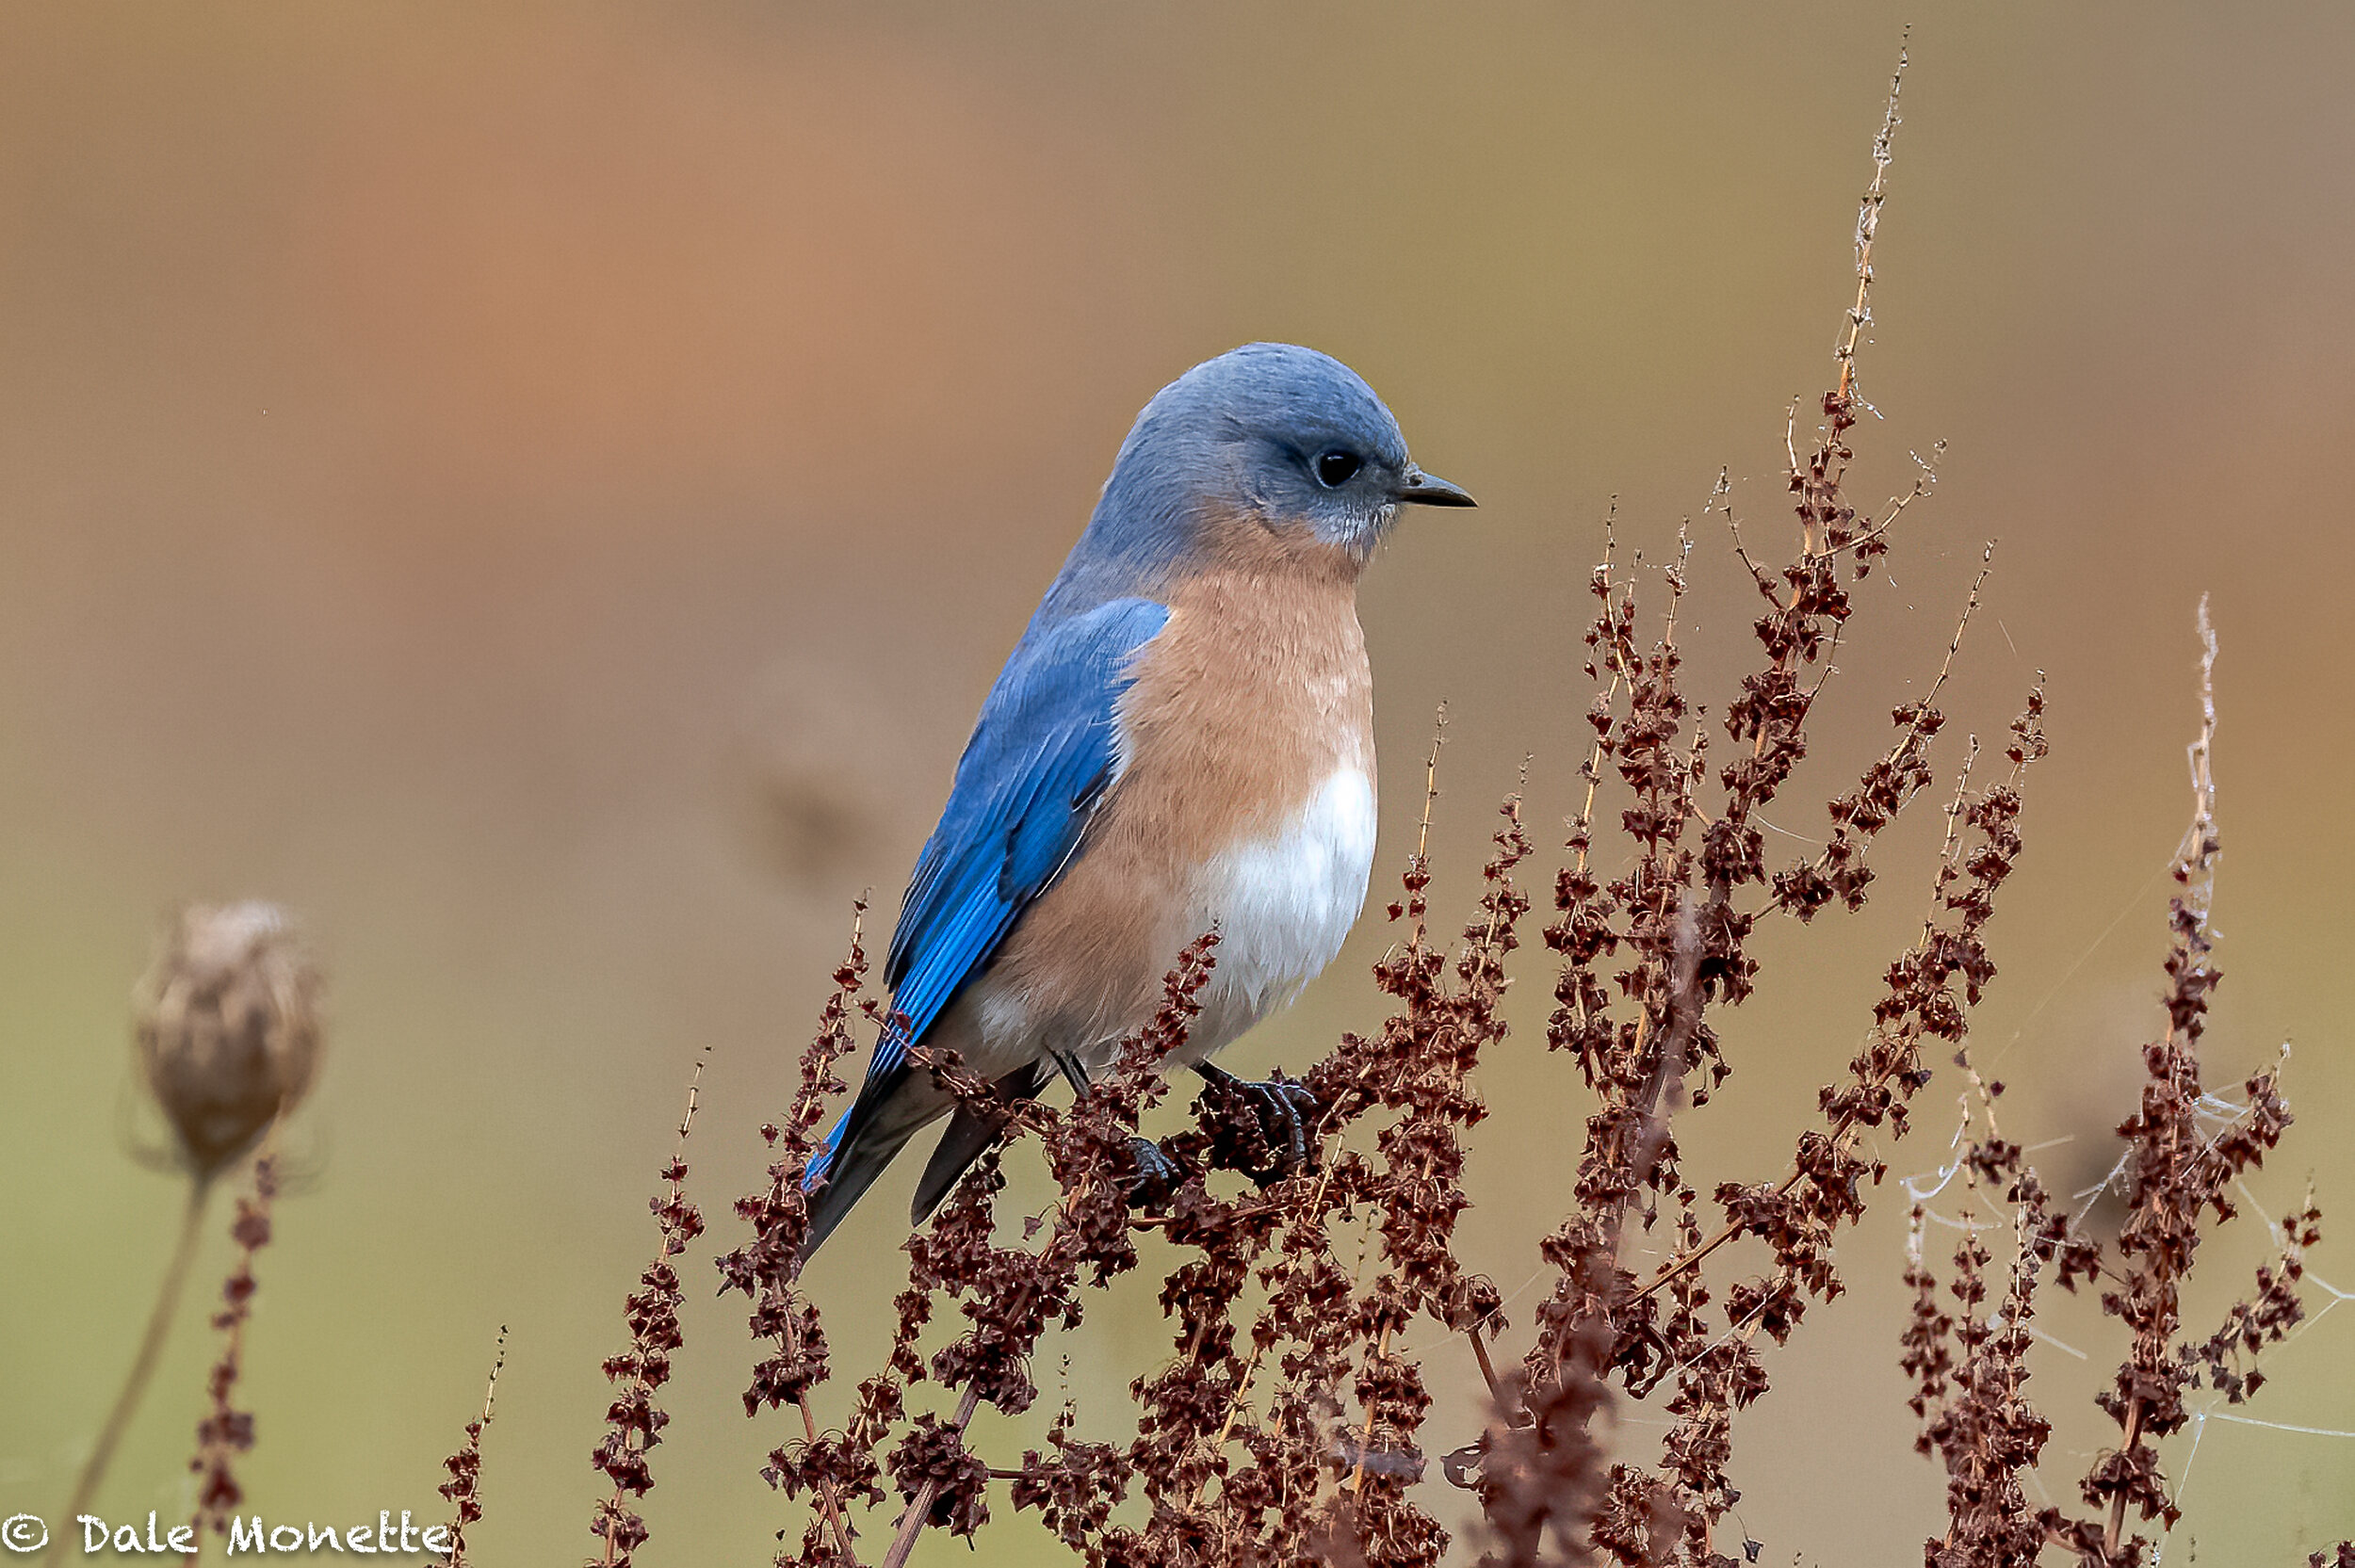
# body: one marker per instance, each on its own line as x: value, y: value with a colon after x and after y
x: 1275, y: 1143
x: 1156, y: 1177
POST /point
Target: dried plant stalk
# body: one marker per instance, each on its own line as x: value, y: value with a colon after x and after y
x: 1969, y: 1365
x: 633, y: 1421
x: 464, y: 1487
x: 768, y: 1269
x: 2176, y: 1175
x: 227, y: 1431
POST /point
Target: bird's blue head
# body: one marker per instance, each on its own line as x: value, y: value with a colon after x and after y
x: 1269, y: 437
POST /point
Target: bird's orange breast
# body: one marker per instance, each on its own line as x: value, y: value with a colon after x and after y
x: 1242, y: 715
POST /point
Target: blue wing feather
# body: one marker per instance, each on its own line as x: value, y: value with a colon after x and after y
x: 1042, y: 754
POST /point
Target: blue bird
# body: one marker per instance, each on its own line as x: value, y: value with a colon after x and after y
x: 1182, y: 740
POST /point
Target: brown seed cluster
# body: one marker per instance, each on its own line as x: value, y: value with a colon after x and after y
x: 1969, y: 1364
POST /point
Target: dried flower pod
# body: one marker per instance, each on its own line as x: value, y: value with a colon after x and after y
x: 228, y: 1027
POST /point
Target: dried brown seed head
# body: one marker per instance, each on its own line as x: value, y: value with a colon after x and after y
x: 228, y: 1027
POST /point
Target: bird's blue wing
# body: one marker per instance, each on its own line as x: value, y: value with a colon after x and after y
x: 1041, y: 756
x: 1044, y: 751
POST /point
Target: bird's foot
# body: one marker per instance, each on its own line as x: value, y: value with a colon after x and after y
x: 1156, y: 1178
x: 1261, y: 1129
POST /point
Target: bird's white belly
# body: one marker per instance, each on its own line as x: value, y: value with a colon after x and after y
x: 1282, y: 906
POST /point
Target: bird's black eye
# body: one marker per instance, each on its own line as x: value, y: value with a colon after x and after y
x: 1336, y: 467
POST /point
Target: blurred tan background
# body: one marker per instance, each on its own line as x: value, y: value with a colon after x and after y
x: 541, y: 490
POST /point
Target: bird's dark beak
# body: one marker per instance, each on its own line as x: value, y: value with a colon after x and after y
x: 1429, y: 490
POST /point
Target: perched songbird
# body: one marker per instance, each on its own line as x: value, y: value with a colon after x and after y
x: 1182, y: 741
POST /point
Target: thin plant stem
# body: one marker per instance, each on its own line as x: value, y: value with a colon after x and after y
x: 1487, y: 1367
x: 825, y: 1490
x: 143, y: 1365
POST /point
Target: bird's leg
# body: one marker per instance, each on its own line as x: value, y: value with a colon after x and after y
x: 1156, y: 1176
x: 1275, y: 1144
x: 1072, y: 1074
